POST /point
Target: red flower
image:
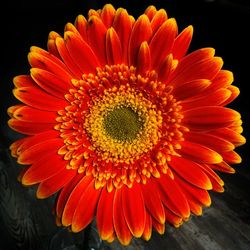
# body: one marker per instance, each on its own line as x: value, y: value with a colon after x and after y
x: 127, y: 126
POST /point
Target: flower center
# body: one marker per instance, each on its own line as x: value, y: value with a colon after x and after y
x: 123, y: 124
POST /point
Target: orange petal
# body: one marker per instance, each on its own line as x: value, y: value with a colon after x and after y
x: 210, y: 117
x: 141, y: 32
x: 33, y: 153
x: 51, y: 45
x: 190, y: 89
x: 150, y: 12
x: 211, y: 141
x: 86, y: 208
x: 24, y: 81
x: 148, y: 228
x: 29, y: 128
x: 231, y: 157
x: 96, y: 32
x: 74, y: 198
x: 81, y: 53
x: 64, y: 53
x: 234, y: 94
x: 190, y: 172
x: 104, y: 215
x: 108, y: 14
x: 121, y: 228
x: 182, y: 42
x: 172, y: 196
x: 51, y: 83
x: 113, y: 47
x: 123, y: 26
x: 55, y: 183
x: 223, y: 167
x: 159, y: 18
x: 199, y: 153
x: 162, y: 42
x: 166, y: 67
x: 42, y: 169
x: 143, y: 59
x: 134, y: 209
x: 81, y: 26
x: 37, y: 98
x: 153, y: 202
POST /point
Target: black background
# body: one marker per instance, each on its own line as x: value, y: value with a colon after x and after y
x: 222, y: 24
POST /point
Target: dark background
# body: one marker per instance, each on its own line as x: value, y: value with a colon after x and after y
x: 27, y: 223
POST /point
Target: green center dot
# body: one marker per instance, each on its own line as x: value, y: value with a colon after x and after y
x: 123, y: 123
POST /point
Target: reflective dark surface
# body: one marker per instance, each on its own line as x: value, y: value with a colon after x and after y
x: 27, y: 223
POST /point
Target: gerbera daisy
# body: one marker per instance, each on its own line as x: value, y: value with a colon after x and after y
x: 128, y: 128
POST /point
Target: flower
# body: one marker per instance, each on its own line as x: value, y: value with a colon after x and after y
x: 128, y: 128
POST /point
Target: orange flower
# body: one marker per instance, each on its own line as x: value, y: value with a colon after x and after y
x: 127, y: 126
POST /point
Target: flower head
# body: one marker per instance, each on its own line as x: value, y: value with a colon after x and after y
x: 124, y: 124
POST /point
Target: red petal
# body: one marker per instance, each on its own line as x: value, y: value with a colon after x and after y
x: 24, y: 81
x: 73, y: 199
x: 231, y: 157
x: 190, y: 89
x: 150, y: 12
x: 223, y: 167
x: 143, y: 59
x: 160, y: 228
x: 29, y: 128
x: 159, y: 18
x: 81, y: 53
x: 172, y: 196
x: 55, y: 183
x: 96, y: 32
x: 33, y: 153
x: 51, y: 45
x: 162, y: 42
x: 172, y: 218
x: 195, y: 206
x: 44, y: 168
x: 199, y: 153
x: 37, y: 98
x: 81, y: 26
x: 148, y: 228
x: 182, y: 42
x: 108, y: 14
x: 51, y: 83
x: 141, y: 32
x: 123, y: 26
x: 234, y: 94
x: 166, y: 67
x: 121, y: 228
x: 153, y: 202
x: 86, y: 208
x: 190, y: 172
x: 134, y: 209
x: 104, y: 215
x: 210, y: 117
x: 113, y: 47
x: 64, y: 53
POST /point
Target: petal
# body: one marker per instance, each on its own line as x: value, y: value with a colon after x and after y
x: 51, y: 83
x: 74, y: 198
x: 153, y: 202
x: 182, y: 42
x: 86, y: 208
x: 81, y: 26
x: 123, y: 26
x: 148, y: 228
x: 67, y: 59
x: 150, y: 12
x: 190, y: 89
x: 160, y: 228
x: 223, y: 167
x: 190, y: 172
x: 162, y: 42
x: 104, y: 215
x: 37, y: 98
x: 143, y: 59
x: 96, y: 32
x: 234, y: 94
x: 141, y: 32
x: 173, y: 219
x: 211, y: 141
x: 55, y: 183
x: 231, y: 157
x: 81, y: 53
x: 44, y: 168
x: 51, y: 44
x: 28, y: 114
x: 121, y: 228
x: 199, y: 153
x: 29, y: 128
x: 108, y: 14
x: 33, y: 153
x: 172, y: 196
x: 166, y: 68
x: 113, y: 47
x: 195, y: 206
x: 24, y: 81
x: 134, y: 209
x: 210, y: 117
x: 159, y: 18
